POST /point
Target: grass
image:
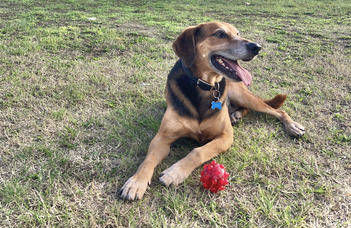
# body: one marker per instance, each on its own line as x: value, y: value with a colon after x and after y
x: 80, y: 100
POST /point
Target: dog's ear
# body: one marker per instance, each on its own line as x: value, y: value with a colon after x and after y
x: 185, y: 45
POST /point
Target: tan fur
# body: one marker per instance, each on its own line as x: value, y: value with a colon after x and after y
x: 194, y: 48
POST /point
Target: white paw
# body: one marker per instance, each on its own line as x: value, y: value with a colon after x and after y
x: 134, y: 188
x: 173, y: 175
x: 295, y: 129
x: 235, y: 117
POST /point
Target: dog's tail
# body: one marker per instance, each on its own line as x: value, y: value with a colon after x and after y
x: 277, y: 101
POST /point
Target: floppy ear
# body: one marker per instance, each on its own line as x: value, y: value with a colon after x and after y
x: 185, y: 45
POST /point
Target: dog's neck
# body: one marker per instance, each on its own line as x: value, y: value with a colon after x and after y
x: 191, y: 100
x: 205, y: 80
x: 208, y: 76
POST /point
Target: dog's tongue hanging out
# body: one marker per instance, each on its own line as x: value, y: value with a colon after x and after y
x: 241, y: 72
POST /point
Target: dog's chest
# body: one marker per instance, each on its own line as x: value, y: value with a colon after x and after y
x: 207, y: 130
x: 201, y: 137
x: 189, y: 100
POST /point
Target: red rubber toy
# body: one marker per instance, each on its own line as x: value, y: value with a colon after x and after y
x: 214, y: 177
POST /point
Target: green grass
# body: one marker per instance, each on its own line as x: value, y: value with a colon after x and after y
x: 80, y: 100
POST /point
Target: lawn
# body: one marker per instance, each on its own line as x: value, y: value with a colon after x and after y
x: 81, y: 96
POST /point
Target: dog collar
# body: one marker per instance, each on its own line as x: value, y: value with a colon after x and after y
x: 205, y: 86
x: 197, y: 81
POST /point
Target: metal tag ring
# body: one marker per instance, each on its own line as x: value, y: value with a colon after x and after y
x: 216, y: 94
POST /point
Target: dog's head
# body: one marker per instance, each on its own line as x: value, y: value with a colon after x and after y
x: 216, y: 47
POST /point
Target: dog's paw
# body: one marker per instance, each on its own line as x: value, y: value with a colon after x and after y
x: 235, y: 117
x: 134, y: 188
x: 173, y: 175
x: 295, y: 129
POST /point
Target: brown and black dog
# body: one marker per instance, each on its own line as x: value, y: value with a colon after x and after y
x: 205, y: 81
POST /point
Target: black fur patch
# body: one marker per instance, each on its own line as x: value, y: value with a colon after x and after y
x: 199, y: 99
x: 178, y: 105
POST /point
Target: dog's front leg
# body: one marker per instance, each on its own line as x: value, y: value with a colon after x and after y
x: 169, y: 131
x: 178, y: 172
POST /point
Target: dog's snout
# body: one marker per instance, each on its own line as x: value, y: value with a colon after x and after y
x: 253, y: 47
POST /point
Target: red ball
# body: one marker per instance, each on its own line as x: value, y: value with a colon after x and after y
x: 214, y: 177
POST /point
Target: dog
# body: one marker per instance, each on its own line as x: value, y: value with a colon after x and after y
x: 206, y: 92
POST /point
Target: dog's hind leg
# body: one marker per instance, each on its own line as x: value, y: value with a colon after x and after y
x: 237, y: 113
x: 239, y: 94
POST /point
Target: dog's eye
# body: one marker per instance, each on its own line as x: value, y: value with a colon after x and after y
x: 221, y: 34
x: 238, y: 34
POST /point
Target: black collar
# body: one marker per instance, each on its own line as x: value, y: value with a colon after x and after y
x: 197, y: 81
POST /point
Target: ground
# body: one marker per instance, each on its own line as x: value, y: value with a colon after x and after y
x: 81, y: 96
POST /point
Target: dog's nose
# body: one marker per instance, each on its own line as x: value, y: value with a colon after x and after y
x: 254, y: 47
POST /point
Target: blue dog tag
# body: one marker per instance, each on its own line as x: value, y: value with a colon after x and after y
x: 216, y: 104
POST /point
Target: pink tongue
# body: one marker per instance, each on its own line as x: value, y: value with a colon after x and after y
x: 241, y: 72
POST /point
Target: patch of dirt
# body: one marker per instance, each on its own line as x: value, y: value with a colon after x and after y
x: 137, y: 28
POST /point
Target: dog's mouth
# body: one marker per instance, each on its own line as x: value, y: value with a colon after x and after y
x: 231, y: 69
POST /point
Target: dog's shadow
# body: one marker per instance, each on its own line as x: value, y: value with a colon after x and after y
x: 135, y: 133
x: 130, y: 131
